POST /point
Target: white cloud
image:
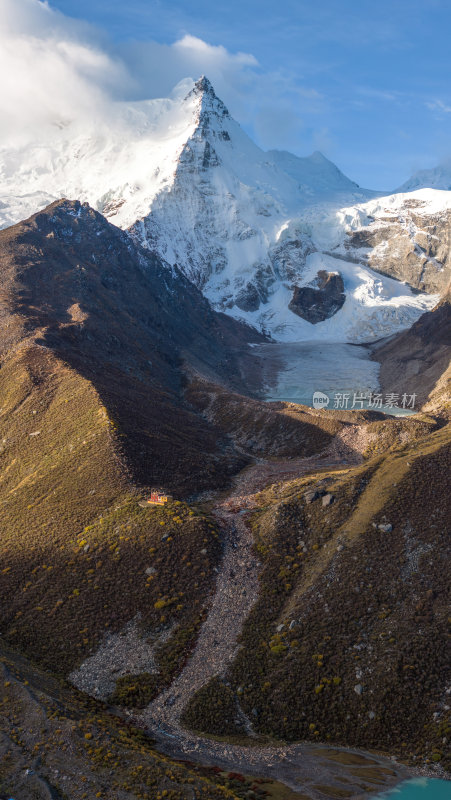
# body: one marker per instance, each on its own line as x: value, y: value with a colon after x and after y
x: 157, y: 68
x: 217, y: 55
x: 56, y: 70
x: 439, y: 105
x: 50, y: 74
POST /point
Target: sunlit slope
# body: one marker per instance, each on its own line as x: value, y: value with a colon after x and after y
x: 348, y: 641
x: 92, y: 413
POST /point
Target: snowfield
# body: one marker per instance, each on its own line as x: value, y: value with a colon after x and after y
x: 246, y: 226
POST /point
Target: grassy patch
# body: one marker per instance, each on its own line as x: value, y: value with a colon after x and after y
x: 213, y: 709
x: 136, y: 691
x: 78, y: 556
x: 347, y: 641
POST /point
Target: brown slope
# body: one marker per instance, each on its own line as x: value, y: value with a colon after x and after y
x: 73, y: 283
x: 83, y: 416
x: 348, y: 640
x: 95, y: 336
x: 418, y: 360
x: 69, y: 747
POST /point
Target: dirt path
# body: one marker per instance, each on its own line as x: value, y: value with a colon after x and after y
x: 300, y: 766
x: 237, y: 582
x: 235, y: 594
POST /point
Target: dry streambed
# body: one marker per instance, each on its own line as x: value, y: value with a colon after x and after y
x: 312, y: 771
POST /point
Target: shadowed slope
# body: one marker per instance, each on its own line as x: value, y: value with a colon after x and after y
x: 93, y: 338
x: 75, y: 284
x: 70, y: 747
x: 418, y: 360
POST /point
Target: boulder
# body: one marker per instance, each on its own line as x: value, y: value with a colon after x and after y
x: 248, y: 299
x: 310, y: 496
x: 321, y: 301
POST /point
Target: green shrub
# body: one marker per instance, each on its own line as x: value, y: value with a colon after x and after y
x: 136, y: 691
x: 213, y: 709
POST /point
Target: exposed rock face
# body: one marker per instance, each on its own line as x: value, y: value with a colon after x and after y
x: 412, y: 246
x: 289, y: 256
x: 317, y: 304
x: 248, y: 299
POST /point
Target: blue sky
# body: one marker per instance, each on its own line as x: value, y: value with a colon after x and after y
x: 366, y: 83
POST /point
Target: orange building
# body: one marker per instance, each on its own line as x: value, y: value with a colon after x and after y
x: 158, y: 497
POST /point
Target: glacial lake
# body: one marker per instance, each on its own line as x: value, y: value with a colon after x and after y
x: 419, y: 789
x: 294, y: 371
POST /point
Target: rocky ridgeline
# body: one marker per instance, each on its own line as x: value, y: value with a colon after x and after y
x: 412, y: 245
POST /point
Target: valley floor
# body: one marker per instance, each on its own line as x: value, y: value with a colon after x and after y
x: 303, y: 767
x: 311, y: 771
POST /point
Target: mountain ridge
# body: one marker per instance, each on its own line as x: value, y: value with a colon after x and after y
x: 249, y: 228
x: 99, y: 340
x: 74, y: 284
x: 438, y: 177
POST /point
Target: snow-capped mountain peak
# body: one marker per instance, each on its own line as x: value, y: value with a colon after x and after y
x: 209, y: 102
x: 252, y: 229
x: 436, y: 178
x: 211, y: 119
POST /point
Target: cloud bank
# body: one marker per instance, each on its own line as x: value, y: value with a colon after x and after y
x: 51, y: 71
x: 57, y: 71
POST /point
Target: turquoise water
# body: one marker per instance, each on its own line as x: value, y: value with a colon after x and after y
x: 419, y: 789
x: 294, y: 371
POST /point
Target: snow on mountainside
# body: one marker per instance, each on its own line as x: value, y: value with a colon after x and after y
x: 261, y: 233
x: 437, y: 178
x: 404, y: 235
x: 314, y: 174
x: 118, y: 166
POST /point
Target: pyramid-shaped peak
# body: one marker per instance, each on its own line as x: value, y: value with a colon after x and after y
x: 209, y: 100
x: 319, y: 157
x: 205, y: 86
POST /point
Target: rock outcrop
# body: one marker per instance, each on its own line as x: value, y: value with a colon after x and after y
x: 412, y: 245
x: 320, y: 301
